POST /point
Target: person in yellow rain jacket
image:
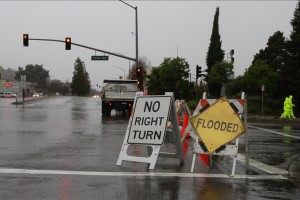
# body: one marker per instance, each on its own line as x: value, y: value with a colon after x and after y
x: 288, y: 108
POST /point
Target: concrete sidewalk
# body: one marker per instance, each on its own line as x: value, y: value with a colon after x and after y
x: 27, y: 100
x: 273, y: 119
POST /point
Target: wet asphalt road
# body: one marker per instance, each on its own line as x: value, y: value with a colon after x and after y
x: 62, y: 148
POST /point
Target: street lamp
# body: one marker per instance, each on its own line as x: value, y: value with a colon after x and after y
x: 136, y: 31
x: 120, y: 69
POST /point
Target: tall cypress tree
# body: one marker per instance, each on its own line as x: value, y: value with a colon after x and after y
x: 215, y: 53
x: 80, y: 82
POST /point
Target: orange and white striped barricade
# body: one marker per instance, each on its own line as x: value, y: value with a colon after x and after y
x: 230, y: 149
x: 183, y: 116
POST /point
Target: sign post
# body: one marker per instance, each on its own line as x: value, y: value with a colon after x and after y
x: 262, y: 99
x: 152, y: 123
x: 23, y: 86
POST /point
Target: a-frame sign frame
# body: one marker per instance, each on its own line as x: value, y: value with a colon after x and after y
x: 152, y: 123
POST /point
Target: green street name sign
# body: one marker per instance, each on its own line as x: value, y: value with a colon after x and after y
x: 99, y: 57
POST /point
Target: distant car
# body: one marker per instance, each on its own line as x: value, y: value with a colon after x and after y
x: 6, y: 95
x: 36, y: 95
x: 95, y: 96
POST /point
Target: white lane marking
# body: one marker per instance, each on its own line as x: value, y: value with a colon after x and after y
x: 259, y: 165
x: 275, y: 132
x: 135, y: 174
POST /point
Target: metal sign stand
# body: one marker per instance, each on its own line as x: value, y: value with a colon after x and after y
x: 172, y: 135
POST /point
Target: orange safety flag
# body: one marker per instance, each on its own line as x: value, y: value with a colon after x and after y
x: 185, y: 148
x: 184, y: 124
x: 205, y: 158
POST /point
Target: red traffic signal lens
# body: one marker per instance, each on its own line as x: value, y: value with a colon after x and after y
x: 25, y: 40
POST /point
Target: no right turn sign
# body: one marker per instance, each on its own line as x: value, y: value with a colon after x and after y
x: 149, y: 120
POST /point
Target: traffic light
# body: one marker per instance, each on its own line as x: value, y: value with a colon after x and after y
x: 139, y: 77
x: 231, y: 55
x: 25, y: 40
x: 139, y: 72
x: 140, y: 84
x: 198, y: 71
x: 68, y: 43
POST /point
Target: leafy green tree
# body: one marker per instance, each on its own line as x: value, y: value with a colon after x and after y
x: 260, y: 74
x: 142, y: 62
x: 275, y: 53
x: 7, y: 74
x: 219, y: 74
x: 174, y: 73
x: 154, y: 85
x: 58, y: 86
x: 171, y: 76
x: 291, y: 72
x: 34, y: 73
x: 236, y: 86
x: 215, y: 53
x: 80, y: 82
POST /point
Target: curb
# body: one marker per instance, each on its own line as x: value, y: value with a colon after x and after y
x: 32, y: 100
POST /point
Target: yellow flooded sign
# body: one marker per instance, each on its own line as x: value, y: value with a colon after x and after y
x: 218, y: 125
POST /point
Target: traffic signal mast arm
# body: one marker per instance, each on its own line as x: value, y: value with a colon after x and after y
x: 87, y: 47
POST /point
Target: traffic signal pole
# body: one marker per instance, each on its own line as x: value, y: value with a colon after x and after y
x: 136, y: 31
x: 86, y: 47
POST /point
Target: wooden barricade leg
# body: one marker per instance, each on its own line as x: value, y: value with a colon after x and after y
x: 237, y: 140
x: 197, y: 139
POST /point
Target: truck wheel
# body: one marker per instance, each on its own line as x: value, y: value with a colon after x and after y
x: 104, y: 109
x: 108, y: 111
x: 103, y: 112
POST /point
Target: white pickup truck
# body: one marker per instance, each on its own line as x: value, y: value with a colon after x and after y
x: 118, y: 95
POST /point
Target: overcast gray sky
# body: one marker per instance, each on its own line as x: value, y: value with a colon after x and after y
x: 163, y: 26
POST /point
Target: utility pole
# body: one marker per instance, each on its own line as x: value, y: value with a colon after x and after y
x: 136, y: 31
